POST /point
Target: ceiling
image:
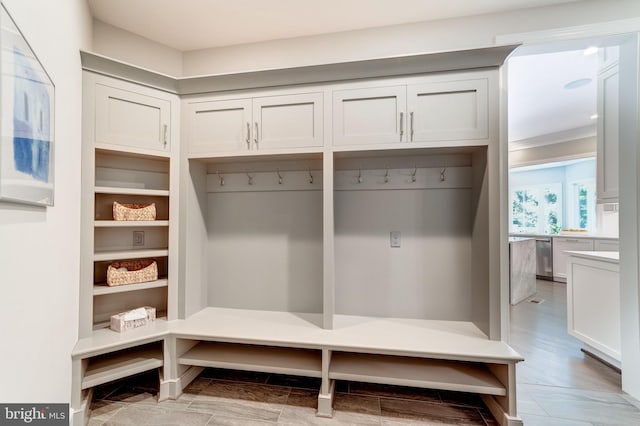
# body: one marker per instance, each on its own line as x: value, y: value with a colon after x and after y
x: 541, y: 109
x: 538, y: 103
x: 197, y: 24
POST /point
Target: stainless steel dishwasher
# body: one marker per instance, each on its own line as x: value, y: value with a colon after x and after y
x: 544, y: 258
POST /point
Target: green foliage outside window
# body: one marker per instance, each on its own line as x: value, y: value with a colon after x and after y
x: 535, y: 210
x: 582, y: 206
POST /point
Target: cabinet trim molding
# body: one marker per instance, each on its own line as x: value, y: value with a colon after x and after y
x: 369, y: 68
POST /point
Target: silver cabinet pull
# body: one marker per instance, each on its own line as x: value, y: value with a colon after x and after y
x: 401, y: 125
x: 411, y: 125
x: 248, y: 136
x: 164, y: 134
x: 256, y: 137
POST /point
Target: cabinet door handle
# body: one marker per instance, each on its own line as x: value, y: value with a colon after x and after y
x: 256, y: 137
x: 401, y: 125
x: 248, y: 136
x: 164, y: 135
x: 411, y: 125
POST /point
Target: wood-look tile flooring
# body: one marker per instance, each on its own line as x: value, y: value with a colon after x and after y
x: 557, y: 385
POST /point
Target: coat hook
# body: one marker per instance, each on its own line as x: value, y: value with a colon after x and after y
x: 221, y: 177
x: 279, y: 176
x: 442, y: 175
x: 310, y: 176
x: 250, y: 179
x: 386, y: 175
x: 359, y: 175
x: 413, y: 175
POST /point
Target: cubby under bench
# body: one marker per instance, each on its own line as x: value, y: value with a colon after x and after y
x: 445, y: 355
x: 107, y: 356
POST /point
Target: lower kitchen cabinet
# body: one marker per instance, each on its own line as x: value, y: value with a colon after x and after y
x: 560, y: 247
x: 593, y: 303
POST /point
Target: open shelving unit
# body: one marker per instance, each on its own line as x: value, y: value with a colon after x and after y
x: 129, y: 141
x: 129, y: 178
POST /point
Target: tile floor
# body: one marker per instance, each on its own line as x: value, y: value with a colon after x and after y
x: 557, y: 385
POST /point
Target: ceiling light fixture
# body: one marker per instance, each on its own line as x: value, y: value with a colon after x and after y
x: 577, y: 83
x: 591, y: 50
x: 594, y: 116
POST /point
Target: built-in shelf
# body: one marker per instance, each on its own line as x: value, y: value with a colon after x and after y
x: 130, y: 223
x: 129, y: 254
x: 99, y: 290
x: 267, y: 359
x: 131, y: 191
x: 131, y: 151
x: 123, y: 364
x: 160, y: 316
x: 416, y: 372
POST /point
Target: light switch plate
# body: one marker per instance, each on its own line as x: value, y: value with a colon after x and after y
x: 395, y: 238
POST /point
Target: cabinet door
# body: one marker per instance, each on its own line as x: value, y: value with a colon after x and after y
x: 369, y: 116
x: 607, y: 245
x: 560, y: 247
x: 132, y: 119
x: 445, y: 111
x: 607, y: 135
x: 292, y: 121
x: 219, y: 126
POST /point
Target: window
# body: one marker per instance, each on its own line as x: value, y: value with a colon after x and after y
x: 536, y: 209
x: 582, y: 204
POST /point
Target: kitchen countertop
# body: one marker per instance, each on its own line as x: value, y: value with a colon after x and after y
x: 517, y: 239
x: 575, y: 235
x: 606, y: 256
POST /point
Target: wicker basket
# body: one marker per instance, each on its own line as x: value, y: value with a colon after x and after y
x: 132, y: 272
x: 122, y: 211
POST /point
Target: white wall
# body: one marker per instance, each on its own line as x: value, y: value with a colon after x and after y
x: 128, y: 47
x: 436, y: 36
x: 405, y: 39
x: 39, y: 247
x: 629, y: 156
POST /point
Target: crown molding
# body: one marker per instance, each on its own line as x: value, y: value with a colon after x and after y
x: 554, y: 138
x: 372, y: 68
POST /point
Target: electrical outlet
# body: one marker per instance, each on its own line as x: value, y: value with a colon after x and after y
x: 394, y: 238
x: 138, y: 238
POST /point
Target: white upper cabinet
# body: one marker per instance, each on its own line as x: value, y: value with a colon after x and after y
x: 445, y: 111
x: 430, y: 111
x: 369, y: 116
x: 291, y: 121
x: 131, y: 118
x: 254, y: 124
x: 607, y: 135
x: 220, y: 126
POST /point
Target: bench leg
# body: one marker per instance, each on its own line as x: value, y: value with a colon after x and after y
x: 504, y: 408
x: 325, y: 401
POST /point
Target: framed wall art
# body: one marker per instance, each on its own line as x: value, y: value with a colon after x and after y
x: 26, y: 120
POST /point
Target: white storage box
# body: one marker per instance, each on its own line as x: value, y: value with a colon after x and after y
x: 133, y: 319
